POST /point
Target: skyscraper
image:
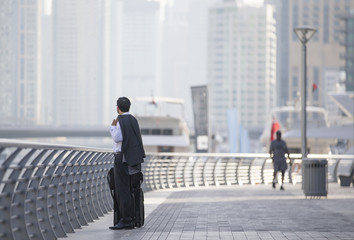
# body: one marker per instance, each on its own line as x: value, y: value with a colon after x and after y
x: 59, y: 62
x: 80, y: 80
x: 348, y: 41
x: 8, y: 60
x: 140, y: 48
x: 20, y: 75
x: 324, y: 50
x: 241, y: 65
x: 47, y: 63
x: 184, y: 49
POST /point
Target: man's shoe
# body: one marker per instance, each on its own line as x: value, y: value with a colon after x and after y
x: 122, y: 225
x: 273, y: 184
x: 282, y: 188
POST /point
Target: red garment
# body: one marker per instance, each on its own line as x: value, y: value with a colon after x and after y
x: 275, y: 128
x: 314, y: 87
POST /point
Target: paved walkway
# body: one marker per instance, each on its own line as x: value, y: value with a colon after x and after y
x: 237, y: 212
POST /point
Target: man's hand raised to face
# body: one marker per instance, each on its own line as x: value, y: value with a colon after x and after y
x: 114, y: 122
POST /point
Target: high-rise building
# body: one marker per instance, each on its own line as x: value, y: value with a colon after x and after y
x: 184, y: 49
x: 241, y: 65
x: 58, y: 62
x: 8, y: 60
x: 140, y: 48
x: 348, y: 41
x: 110, y: 57
x: 282, y: 26
x: 20, y: 55
x: 47, y: 60
x: 324, y: 50
x: 80, y: 79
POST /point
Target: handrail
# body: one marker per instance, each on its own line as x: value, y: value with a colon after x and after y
x: 49, y: 190
x: 4, y: 143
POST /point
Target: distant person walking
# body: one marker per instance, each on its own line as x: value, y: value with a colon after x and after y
x: 277, y: 152
x: 129, y: 154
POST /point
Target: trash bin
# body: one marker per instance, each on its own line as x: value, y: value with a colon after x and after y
x: 314, y: 177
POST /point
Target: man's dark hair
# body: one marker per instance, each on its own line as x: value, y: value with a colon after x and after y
x: 278, y: 133
x: 123, y: 104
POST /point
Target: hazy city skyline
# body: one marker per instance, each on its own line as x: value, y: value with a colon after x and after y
x: 64, y: 63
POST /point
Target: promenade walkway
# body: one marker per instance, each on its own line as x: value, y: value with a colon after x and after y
x: 237, y: 212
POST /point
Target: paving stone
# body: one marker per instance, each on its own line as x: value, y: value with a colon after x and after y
x: 239, y: 235
x: 237, y: 212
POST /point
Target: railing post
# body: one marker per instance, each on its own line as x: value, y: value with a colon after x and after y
x: 147, y: 175
x: 226, y: 171
x: 153, y: 170
x: 177, y: 172
x: 184, y: 175
x: 215, y: 179
x: 56, y: 203
x: 175, y: 161
x: 204, y: 172
x: 32, y: 197
x: 68, y: 177
x: 160, y: 173
x: 105, y: 188
x: 169, y: 185
x: 17, y: 207
x: 262, y: 171
x: 16, y: 194
x: 335, y: 172
x: 195, y: 183
x: 5, y: 200
x: 290, y: 172
x: 93, y: 175
x: 77, y: 191
x: 250, y: 172
x: 101, y: 183
x: 46, y: 216
x: 239, y: 182
x: 85, y: 199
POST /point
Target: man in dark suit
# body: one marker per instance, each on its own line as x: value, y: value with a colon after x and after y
x: 129, y: 154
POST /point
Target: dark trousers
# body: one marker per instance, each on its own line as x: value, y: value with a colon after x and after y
x: 124, y: 184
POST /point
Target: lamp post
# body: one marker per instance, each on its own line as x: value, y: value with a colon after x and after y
x: 304, y: 34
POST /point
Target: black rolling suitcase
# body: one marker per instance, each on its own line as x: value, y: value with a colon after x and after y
x: 138, y: 199
x: 137, y: 196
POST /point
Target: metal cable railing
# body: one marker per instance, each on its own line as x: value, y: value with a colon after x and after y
x: 47, y: 191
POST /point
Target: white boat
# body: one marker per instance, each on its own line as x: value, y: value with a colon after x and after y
x: 162, y: 124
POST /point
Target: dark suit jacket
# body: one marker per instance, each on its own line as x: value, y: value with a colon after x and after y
x: 132, y: 145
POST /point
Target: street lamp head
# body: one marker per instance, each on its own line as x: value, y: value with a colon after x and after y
x: 304, y: 33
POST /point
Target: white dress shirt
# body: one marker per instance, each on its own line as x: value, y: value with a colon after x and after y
x: 117, y: 136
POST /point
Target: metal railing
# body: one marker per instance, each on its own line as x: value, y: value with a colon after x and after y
x: 175, y: 170
x: 47, y: 191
